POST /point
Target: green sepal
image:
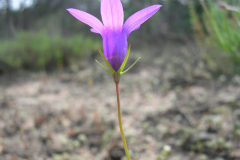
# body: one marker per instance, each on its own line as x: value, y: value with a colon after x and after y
x: 116, y: 75
x: 105, y: 60
x: 103, y: 68
x: 131, y: 66
x: 125, y: 60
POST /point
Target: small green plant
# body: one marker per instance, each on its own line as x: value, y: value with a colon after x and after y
x: 165, y: 153
x: 224, y: 28
x: 221, y: 22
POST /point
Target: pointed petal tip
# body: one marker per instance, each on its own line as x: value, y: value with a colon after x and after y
x: 135, y: 20
x: 94, y: 30
x: 88, y: 19
x: 69, y: 9
x: 157, y: 6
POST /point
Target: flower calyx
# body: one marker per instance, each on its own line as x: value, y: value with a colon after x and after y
x: 117, y: 75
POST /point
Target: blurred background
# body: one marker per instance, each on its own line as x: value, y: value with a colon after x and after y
x: 56, y: 103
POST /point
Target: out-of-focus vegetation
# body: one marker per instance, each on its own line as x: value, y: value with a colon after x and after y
x: 219, y: 32
x: 29, y: 50
x: 215, y: 27
x: 24, y: 45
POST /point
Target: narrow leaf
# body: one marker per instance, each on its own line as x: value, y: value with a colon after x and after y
x: 103, y: 67
x: 125, y: 60
x: 131, y: 66
x: 105, y: 60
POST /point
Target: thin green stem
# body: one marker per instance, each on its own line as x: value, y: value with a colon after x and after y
x: 120, y: 123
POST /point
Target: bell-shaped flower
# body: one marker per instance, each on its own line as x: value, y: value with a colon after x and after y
x: 114, y: 33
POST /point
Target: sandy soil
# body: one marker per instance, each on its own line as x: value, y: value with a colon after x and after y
x: 168, y: 98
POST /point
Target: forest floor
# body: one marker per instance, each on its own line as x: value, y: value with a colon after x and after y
x: 168, y: 98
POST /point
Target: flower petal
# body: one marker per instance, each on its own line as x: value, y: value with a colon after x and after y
x: 87, y: 19
x: 93, y: 30
x: 112, y: 15
x: 135, y: 20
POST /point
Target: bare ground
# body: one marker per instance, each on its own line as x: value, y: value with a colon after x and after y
x: 168, y: 98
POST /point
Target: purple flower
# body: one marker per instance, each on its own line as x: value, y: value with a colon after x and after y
x: 114, y: 33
